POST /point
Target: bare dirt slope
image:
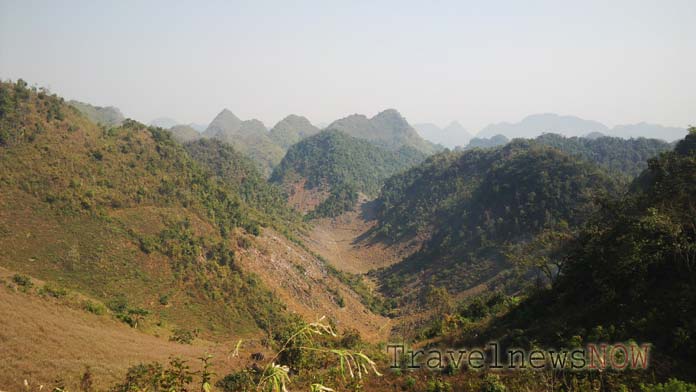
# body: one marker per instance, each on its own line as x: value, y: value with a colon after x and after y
x: 348, y: 244
x: 305, y: 285
x: 303, y: 199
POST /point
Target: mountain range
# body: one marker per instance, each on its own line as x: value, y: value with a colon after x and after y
x: 123, y: 246
x: 108, y: 115
x: 251, y: 137
x: 388, y: 129
x: 291, y: 130
x: 537, y: 124
x: 452, y: 136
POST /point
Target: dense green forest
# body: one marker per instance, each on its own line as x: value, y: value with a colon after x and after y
x: 629, y: 274
x: 240, y: 173
x: 627, y: 157
x: 475, y: 205
x: 342, y: 164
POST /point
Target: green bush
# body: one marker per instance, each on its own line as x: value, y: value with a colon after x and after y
x: 53, y: 291
x: 672, y: 385
x: 118, y: 304
x: 184, y: 336
x: 94, y: 307
x: 492, y: 383
x: 23, y: 281
x: 237, y: 382
x: 147, y: 244
x: 439, y: 386
x: 410, y: 383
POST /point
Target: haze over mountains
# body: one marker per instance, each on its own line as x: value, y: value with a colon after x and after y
x: 537, y: 124
x: 291, y: 130
x: 391, y: 130
x: 109, y: 115
x: 451, y: 136
x: 388, y: 129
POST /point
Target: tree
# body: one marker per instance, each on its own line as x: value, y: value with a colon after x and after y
x: 546, y: 252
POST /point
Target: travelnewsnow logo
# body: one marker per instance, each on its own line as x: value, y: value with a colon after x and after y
x: 593, y: 356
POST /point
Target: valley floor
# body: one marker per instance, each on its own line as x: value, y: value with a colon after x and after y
x: 348, y: 243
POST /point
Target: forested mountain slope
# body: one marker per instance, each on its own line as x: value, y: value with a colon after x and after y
x: 341, y: 165
x: 627, y: 157
x: 630, y: 273
x: 387, y: 129
x: 291, y: 130
x: 240, y: 173
x: 475, y: 204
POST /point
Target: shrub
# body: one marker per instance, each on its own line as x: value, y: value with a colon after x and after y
x: 672, y: 385
x: 183, y: 336
x: 147, y: 244
x: 492, y: 383
x: 97, y: 155
x: 22, y: 281
x: 87, y: 381
x: 133, y: 316
x: 53, y: 291
x: 439, y: 386
x: 118, y: 304
x: 351, y: 338
x: 410, y: 383
x: 237, y: 382
x: 94, y: 307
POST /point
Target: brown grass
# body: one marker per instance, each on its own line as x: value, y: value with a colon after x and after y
x: 303, y: 283
x: 47, y: 343
x: 345, y: 241
x: 303, y: 199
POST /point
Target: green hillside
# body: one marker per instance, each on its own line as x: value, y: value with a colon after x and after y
x: 125, y: 216
x: 240, y: 173
x: 626, y: 157
x: 343, y: 164
x: 475, y: 205
x: 388, y: 129
x: 630, y: 273
x: 291, y: 130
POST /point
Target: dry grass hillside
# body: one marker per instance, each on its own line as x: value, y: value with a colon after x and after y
x: 347, y: 242
x: 50, y: 341
x: 308, y: 288
x: 125, y: 219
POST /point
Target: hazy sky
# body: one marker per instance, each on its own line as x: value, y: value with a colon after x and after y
x: 435, y: 61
